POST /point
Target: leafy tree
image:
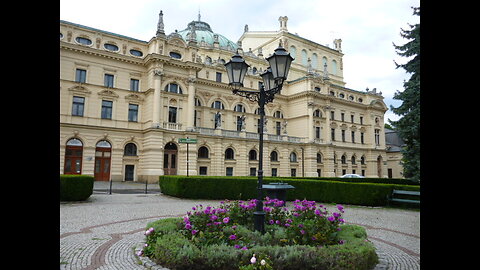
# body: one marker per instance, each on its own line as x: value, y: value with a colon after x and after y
x: 408, y: 126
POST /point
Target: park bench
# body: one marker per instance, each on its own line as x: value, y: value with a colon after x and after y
x: 393, y: 198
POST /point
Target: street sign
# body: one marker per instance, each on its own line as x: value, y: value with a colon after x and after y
x: 187, y: 140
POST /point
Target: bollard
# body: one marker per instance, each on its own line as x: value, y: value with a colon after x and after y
x: 146, y: 183
x: 110, y: 187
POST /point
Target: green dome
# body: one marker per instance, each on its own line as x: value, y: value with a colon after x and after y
x: 203, y: 32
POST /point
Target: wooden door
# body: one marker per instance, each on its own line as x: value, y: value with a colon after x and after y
x: 170, y: 155
x: 73, y: 160
x: 102, y: 164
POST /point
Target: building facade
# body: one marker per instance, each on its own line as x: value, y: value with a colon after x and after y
x: 126, y: 104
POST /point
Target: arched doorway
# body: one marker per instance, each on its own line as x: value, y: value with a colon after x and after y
x: 103, y: 153
x: 170, y: 159
x: 73, y: 157
x: 379, y: 166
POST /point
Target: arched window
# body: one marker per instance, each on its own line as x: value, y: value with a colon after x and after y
x: 324, y: 61
x: 278, y: 114
x: 293, y: 157
x: 73, y: 157
x: 218, y: 105
x: 252, y: 155
x: 130, y: 150
x: 344, y: 159
x: 239, y: 108
x: 203, y: 152
x: 173, y: 88
x: 208, y: 60
x: 353, y: 159
x: 315, y: 61
x: 274, y: 156
x: 317, y: 113
x: 319, y: 158
x: 175, y: 55
x: 229, y: 154
x: 198, y: 102
x: 334, y: 67
x: 293, y: 52
x: 362, y: 160
x: 304, y: 57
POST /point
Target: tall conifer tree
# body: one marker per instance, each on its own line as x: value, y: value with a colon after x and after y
x: 408, y: 126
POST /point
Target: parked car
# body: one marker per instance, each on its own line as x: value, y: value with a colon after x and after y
x: 351, y: 175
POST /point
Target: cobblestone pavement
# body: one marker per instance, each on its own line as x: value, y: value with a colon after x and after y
x: 104, y: 231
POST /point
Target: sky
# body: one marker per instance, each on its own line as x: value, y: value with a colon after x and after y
x: 367, y: 28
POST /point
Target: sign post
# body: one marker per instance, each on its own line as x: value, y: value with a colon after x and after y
x: 187, y: 141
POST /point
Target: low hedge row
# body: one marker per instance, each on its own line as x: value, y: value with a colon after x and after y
x: 75, y: 187
x: 395, y: 181
x: 244, y: 188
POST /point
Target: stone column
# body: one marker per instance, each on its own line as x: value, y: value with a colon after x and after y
x: 157, y: 82
x: 310, y: 121
x: 191, y: 104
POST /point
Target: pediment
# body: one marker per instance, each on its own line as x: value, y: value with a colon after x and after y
x: 134, y: 97
x: 108, y: 93
x: 79, y: 89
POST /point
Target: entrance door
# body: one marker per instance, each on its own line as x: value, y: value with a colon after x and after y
x: 73, y: 157
x: 129, y: 169
x: 170, y: 159
x: 102, y: 161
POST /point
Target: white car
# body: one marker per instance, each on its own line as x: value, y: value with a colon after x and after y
x: 351, y: 175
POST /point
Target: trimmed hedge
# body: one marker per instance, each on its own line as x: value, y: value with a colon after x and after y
x: 396, y: 181
x: 244, y: 188
x: 75, y: 187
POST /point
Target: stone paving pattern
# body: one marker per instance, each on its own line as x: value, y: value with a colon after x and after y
x: 105, y: 231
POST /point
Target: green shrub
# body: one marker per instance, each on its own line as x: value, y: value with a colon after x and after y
x: 244, y: 188
x: 75, y: 187
x: 174, y: 251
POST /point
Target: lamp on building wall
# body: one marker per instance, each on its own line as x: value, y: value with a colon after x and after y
x: 273, y: 79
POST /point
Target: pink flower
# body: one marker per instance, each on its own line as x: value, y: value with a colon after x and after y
x: 331, y: 219
x: 232, y: 237
x: 194, y: 232
x: 188, y: 226
x: 226, y: 220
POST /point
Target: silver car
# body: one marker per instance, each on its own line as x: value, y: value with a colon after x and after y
x: 351, y: 175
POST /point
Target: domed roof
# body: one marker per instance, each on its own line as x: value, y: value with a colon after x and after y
x: 203, y: 32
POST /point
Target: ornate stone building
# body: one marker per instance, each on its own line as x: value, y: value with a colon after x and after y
x: 126, y: 103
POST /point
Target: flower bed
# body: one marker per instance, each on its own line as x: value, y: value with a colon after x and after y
x: 305, y: 237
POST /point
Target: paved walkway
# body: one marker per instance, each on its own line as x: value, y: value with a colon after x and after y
x: 105, y: 231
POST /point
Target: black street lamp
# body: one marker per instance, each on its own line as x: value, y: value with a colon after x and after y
x: 273, y: 79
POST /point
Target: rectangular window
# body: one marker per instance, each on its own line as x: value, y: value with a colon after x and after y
x: 239, y: 123
x: 77, y: 106
x: 342, y: 116
x: 363, y: 172
x: 278, y: 128
x: 351, y: 117
x: 274, y: 171
x: 344, y: 172
x: 361, y: 137
x: 332, y: 133
x: 172, y: 114
x: 108, y: 80
x: 203, y: 170
x: 107, y: 109
x: 132, y: 112
x: 229, y: 171
x: 319, y: 172
x: 317, y: 132
x: 258, y: 126
x: 377, y: 136
x: 343, y: 135
x: 332, y: 115
x: 361, y: 120
x: 353, y: 136
x: 80, y: 75
x: 293, y: 172
x: 253, y: 171
x: 390, y: 173
x: 134, y: 85
x: 219, y: 77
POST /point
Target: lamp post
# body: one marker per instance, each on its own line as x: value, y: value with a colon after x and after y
x: 273, y: 79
